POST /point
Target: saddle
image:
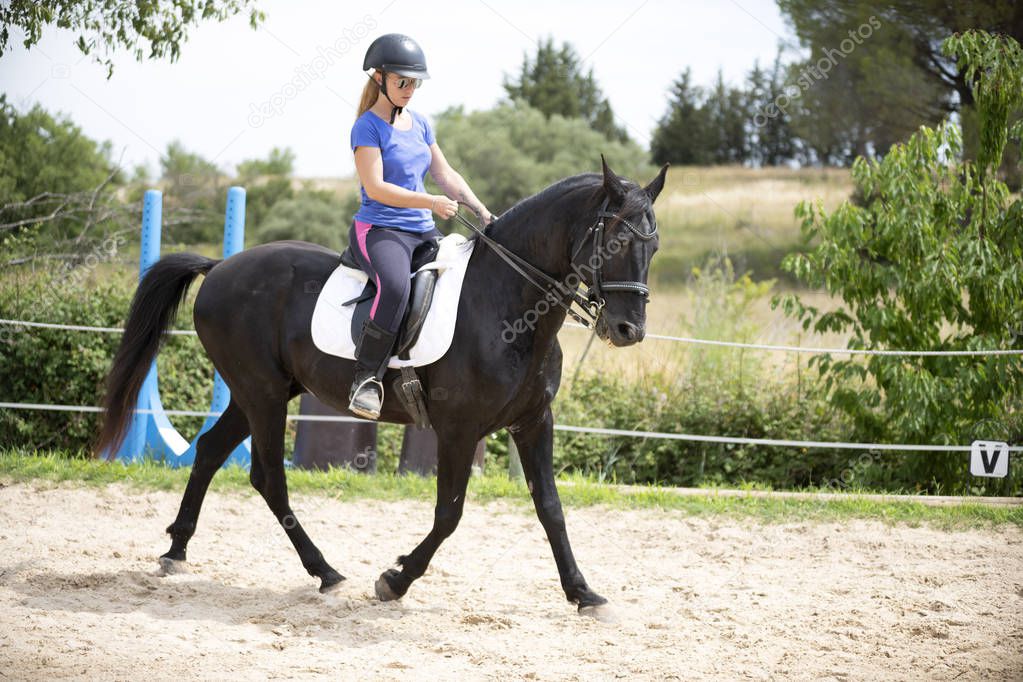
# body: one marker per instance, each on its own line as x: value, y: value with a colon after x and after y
x: 344, y: 300
x: 420, y: 297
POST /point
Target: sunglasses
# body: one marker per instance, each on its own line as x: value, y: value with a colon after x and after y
x: 403, y: 83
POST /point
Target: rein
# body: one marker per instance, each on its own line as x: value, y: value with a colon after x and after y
x: 592, y: 304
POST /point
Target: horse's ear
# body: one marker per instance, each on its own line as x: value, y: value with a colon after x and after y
x: 657, y: 184
x: 612, y: 184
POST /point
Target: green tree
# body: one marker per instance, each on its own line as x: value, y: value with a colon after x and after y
x: 898, y: 77
x: 40, y: 152
x: 193, y: 189
x: 915, y: 25
x: 554, y: 83
x: 930, y: 258
x: 726, y: 124
x: 150, y: 30
x: 727, y: 117
x: 827, y: 125
x: 774, y: 138
x: 859, y: 97
x: 266, y: 182
x: 309, y: 217
x: 510, y: 152
x: 681, y: 136
x: 279, y: 162
x: 44, y: 159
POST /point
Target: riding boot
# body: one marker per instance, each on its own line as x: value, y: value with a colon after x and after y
x: 371, y: 356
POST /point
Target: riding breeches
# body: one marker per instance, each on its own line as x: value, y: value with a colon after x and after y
x: 385, y: 254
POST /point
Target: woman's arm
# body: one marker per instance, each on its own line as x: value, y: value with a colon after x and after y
x: 370, y: 167
x: 454, y: 185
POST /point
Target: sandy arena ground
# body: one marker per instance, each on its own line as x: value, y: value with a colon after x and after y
x: 695, y: 597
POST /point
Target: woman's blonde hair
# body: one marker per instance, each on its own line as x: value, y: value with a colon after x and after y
x: 370, y: 92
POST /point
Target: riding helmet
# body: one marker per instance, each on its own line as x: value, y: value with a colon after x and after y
x: 396, y: 53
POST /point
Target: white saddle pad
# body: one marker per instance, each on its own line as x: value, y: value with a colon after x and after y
x: 332, y: 321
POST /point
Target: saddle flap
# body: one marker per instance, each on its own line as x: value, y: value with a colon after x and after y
x: 423, y: 285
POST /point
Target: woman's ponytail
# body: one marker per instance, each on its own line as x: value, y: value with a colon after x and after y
x: 370, y: 93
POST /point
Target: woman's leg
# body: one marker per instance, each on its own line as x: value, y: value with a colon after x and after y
x: 385, y: 255
x: 390, y: 252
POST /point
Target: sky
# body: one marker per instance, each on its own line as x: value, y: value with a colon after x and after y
x: 235, y: 93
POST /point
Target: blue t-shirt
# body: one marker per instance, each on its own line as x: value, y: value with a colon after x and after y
x: 406, y: 156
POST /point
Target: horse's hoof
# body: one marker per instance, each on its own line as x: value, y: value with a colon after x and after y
x: 383, y: 588
x: 331, y: 582
x: 602, y: 612
x: 170, y: 566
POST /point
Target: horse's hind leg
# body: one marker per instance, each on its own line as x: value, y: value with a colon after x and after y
x: 536, y: 445
x: 211, y: 452
x: 267, y: 477
x: 454, y: 467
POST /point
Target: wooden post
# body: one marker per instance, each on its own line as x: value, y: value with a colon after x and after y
x: 322, y: 444
x: 419, y: 452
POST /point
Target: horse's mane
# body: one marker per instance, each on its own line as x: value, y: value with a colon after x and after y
x: 553, y: 191
x: 635, y: 198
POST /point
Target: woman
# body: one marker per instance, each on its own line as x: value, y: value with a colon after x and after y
x: 394, y: 147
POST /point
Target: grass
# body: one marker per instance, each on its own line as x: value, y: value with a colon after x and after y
x: 744, y: 213
x: 681, y: 312
x: 18, y: 466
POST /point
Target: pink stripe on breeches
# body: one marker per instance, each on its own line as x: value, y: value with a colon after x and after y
x: 361, y: 229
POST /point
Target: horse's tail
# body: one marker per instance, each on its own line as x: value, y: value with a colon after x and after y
x: 152, y: 309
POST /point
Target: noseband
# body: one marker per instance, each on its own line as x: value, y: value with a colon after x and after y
x: 592, y: 303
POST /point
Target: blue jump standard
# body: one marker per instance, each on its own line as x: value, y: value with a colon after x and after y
x: 150, y: 433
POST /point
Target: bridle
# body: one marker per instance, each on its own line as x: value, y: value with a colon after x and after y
x: 594, y: 294
x: 592, y: 302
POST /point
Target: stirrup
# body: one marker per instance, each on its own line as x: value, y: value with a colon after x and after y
x: 361, y: 409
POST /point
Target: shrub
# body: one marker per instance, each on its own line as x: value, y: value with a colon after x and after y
x: 929, y: 257
x: 513, y: 151
x: 68, y: 367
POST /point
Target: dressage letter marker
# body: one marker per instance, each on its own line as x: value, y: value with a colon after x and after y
x: 989, y: 458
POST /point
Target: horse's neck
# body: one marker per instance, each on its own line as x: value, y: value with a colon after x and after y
x: 541, y: 236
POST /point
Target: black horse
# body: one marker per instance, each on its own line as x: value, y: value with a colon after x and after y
x: 252, y: 314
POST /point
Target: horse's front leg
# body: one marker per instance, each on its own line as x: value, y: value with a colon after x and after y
x: 535, y: 441
x: 454, y: 466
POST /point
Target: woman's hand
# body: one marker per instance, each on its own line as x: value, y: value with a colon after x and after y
x: 443, y: 206
x: 480, y: 211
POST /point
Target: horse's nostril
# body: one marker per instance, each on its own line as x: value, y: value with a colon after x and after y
x: 628, y: 330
